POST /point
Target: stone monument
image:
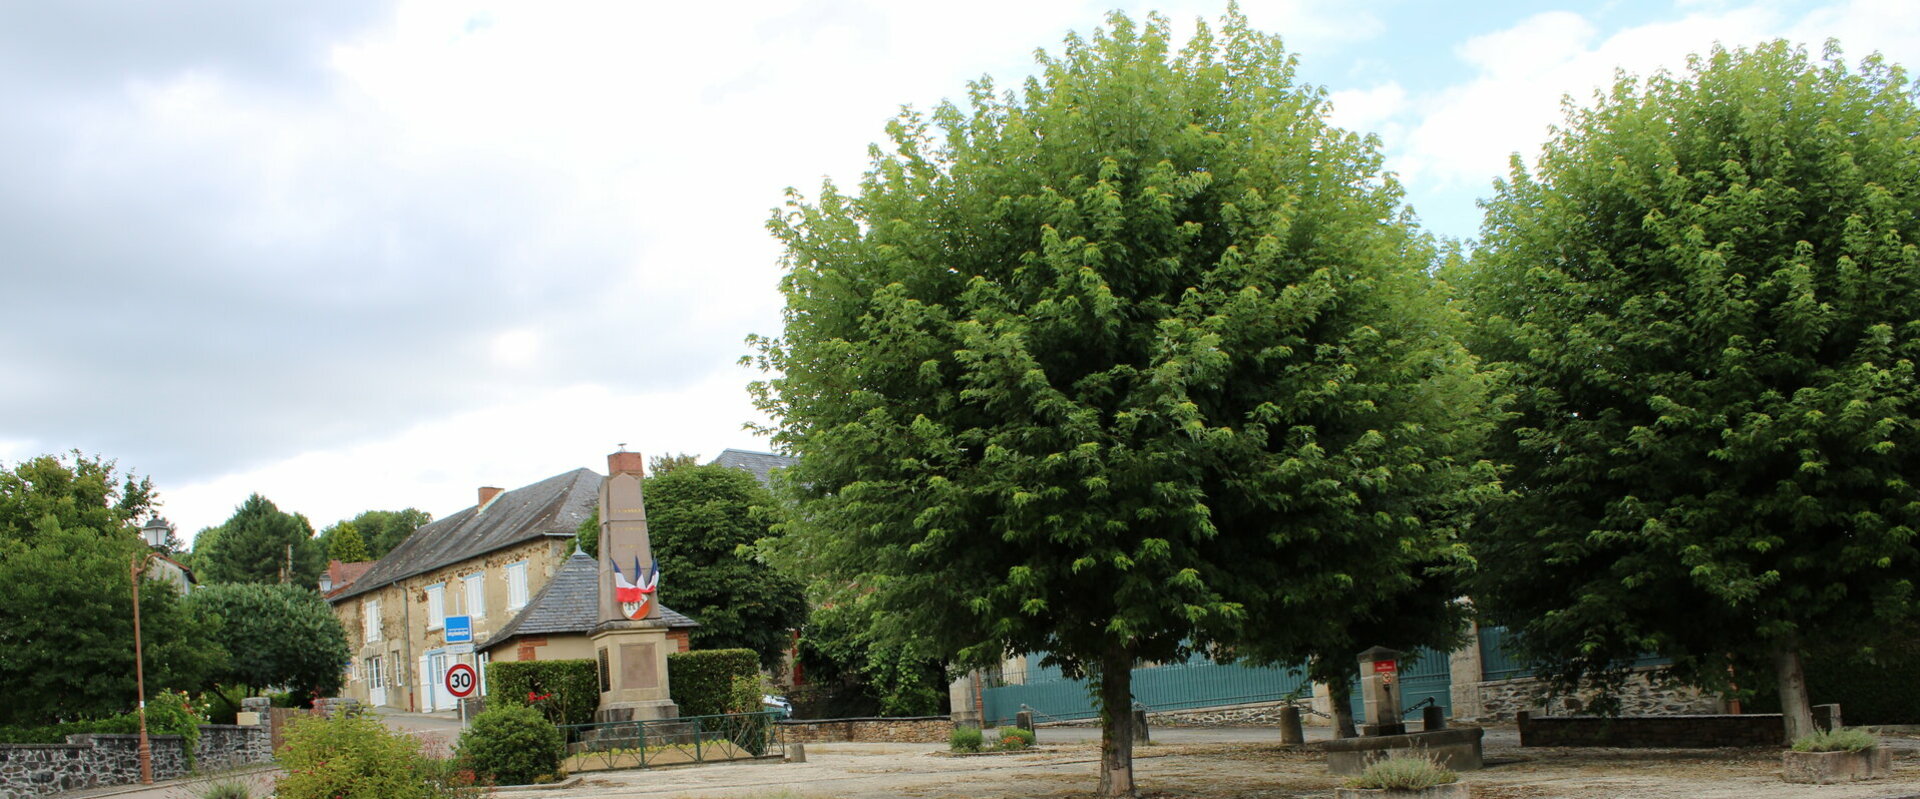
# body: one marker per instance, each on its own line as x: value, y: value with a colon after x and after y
x: 1379, y: 698
x: 630, y: 640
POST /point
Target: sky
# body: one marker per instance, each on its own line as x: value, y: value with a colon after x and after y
x: 355, y: 255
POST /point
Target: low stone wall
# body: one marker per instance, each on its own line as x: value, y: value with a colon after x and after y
x: 918, y: 730
x: 1667, y: 732
x: 1252, y: 714
x: 1504, y: 700
x: 92, y: 761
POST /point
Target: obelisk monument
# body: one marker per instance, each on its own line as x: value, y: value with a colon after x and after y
x: 631, y: 639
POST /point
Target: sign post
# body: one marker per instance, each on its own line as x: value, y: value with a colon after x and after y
x: 461, y: 683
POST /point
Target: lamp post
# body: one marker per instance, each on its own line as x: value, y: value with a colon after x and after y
x: 139, y: 669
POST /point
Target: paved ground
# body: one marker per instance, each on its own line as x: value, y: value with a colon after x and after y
x: 1224, y: 764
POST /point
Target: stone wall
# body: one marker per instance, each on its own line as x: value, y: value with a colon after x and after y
x: 1252, y: 714
x: 920, y: 730
x: 1504, y: 700
x: 1674, y: 732
x: 91, y: 761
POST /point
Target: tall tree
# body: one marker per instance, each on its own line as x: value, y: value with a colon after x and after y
x: 287, y: 634
x: 661, y: 464
x: 380, y: 530
x: 343, y: 543
x: 68, y: 542
x: 260, y: 543
x: 1706, y: 296
x: 1124, y: 366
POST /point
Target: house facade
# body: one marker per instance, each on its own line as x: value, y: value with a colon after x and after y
x: 486, y: 562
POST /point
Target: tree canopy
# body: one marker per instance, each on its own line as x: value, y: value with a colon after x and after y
x: 287, y: 636
x: 379, y: 530
x: 258, y: 544
x: 68, y: 542
x: 343, y: 543
x: 1706, y: 297
x: 1140, y: 360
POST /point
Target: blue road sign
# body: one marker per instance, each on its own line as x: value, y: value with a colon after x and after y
x: 459, y: 629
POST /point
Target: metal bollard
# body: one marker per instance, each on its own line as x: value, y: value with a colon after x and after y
x: 1433, y: 718
x: 1024, y: 720
x: 796, y: 753
x: 1291, y: 731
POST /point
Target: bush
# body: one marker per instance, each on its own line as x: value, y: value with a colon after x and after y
x: 170, y: 713
x: 707, y: 682
x: 1840, y: 740
x: 1011, y: 738
x: 565, y: 691
x: 512, y: 745
x: 227, y: 790
x: 1403, y: 773
x: 350, y: 758
x: 964, y: 739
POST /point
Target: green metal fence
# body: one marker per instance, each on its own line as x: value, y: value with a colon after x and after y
x: 1199, y: 682
x: 1426, y: 678
x: 661, y: 742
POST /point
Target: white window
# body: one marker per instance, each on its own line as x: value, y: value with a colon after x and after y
x: 375, y: 677
x: 436, y: 606
x: 370, y: 620
x: 516, y: 585
x: 476, y: 594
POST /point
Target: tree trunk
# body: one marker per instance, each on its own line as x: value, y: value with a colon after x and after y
x: 1794, y: 706
x: 1116, y: 723
x: 1340, y: 695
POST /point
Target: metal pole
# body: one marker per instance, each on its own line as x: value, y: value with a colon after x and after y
x: 140, y: 678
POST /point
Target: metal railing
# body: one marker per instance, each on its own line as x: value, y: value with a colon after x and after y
x: 663, y: 742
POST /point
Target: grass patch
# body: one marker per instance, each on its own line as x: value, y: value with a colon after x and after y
x: 1403, y: 773
x: 1839, y: 740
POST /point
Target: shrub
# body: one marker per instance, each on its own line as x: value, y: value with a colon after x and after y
x: 565, y: 691
x: 512, y: 745
x: 349, y: 758
x: 227, y: 790
x: 1403, y: 773
x: 964, y: 739
x: 706, y: 682
x: 1838, y: 740
x: 1010, y: 738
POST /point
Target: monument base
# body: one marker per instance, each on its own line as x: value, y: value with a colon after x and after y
x: 633, y: 671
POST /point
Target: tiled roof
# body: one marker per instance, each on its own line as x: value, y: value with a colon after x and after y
x: 568, y: 604
x: 343, y: 574
x: 758, y: 464
x: 551, y: 508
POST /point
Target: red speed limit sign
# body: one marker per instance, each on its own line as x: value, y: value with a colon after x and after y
x: 461, y: 681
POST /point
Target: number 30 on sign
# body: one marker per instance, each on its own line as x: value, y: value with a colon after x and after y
x: 461, y: 681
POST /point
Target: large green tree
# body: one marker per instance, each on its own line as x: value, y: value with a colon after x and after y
x: 260, y: 543
x: 1141, y: 360
x: 1707, y: 297
x: 343, y: 542
x: 379, y: 530
x: 68, y: 543
x: 284, y: 635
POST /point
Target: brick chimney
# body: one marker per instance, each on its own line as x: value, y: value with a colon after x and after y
x: 487, y: 493
x: 624, y: 462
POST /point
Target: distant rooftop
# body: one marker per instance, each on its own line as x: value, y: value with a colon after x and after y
x: 758, y: 464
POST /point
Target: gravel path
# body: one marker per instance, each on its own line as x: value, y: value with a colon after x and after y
x: 1204, y: 769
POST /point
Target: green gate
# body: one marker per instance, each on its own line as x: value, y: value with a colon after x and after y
x: 1199, y: 682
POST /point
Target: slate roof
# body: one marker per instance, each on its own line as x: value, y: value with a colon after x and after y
x: 758, y: 464
x: 568, y: 605
x: 551, y: 508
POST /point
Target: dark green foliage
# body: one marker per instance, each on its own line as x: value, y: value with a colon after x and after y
x: 705, y: 682
x: 68, y: 542
x: 379, y: 530
x: 661, y: 464
x: 565, y: 691
x: 851, y: 672
x: 1142, y: 360
x: 512, y: 745
x: 1007, y: 739
x: 1872, y: 688
x: 288, y: 634
x: 1707, y: 302
x: 350, y: 757
x: 257, y: 544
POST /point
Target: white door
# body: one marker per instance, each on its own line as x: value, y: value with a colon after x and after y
x: 376, y: 682
x: 437, y: 670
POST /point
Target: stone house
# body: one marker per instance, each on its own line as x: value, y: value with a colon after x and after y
x: 486, y: 562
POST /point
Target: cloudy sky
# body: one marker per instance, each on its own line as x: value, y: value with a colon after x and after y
x: 359, y: 255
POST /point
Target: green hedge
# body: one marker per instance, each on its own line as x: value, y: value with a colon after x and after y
x: 708, y: 682
x: 566, y: 691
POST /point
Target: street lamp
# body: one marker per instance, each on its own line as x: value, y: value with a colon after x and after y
x: 140, y: 671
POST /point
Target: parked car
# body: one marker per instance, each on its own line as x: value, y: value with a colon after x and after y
x: 778, y: 704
